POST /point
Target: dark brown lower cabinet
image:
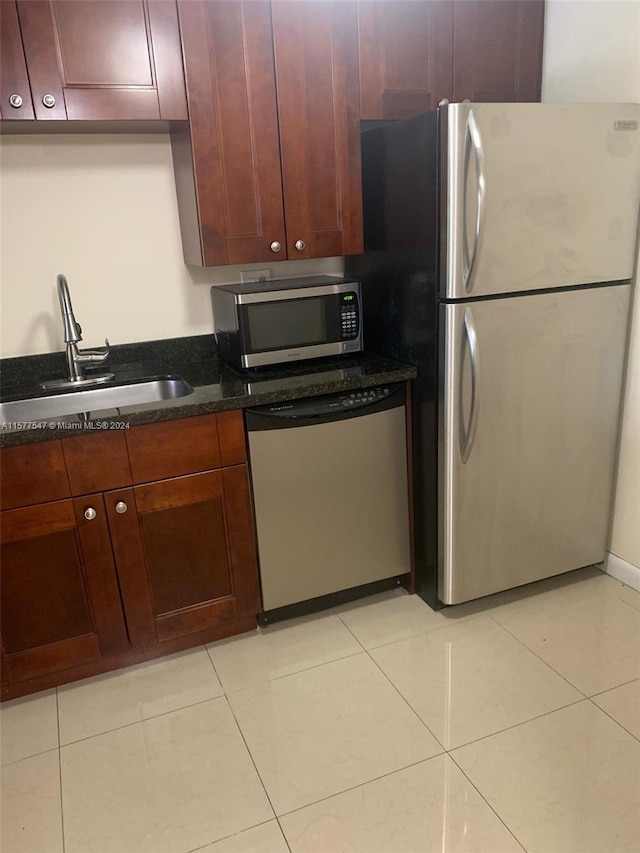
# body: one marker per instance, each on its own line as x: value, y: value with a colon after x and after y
x: 60, y: 597
x: 185, y: 555
x: 96, y: 582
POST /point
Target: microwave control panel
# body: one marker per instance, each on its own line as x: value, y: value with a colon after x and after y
x: 349, y: 311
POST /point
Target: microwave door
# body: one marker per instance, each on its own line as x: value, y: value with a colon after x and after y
x: 304, y: 327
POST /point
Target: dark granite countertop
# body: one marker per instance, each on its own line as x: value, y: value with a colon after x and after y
x: 216, y: 386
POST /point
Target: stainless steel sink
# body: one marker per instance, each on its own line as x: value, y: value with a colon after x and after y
x: 94, y: 400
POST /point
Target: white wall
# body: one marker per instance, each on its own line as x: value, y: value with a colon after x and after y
x: 102, y: 210
x: 592, y: 53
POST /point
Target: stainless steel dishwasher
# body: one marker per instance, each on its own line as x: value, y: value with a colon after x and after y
x: 330, y: 491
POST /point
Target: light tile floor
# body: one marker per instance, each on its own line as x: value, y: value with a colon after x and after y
x: 508, y: 724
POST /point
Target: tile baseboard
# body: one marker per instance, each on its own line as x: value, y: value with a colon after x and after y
x: 622, y: 571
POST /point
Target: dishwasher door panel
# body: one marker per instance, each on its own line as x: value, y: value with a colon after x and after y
x: 331, y: 505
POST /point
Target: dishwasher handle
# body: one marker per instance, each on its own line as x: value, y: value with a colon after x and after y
x: 311, y: 411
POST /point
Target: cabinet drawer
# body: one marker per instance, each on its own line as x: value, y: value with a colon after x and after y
x: 231, y: 435
x: 32, y: 474
x: 173, y: 448
x: 96, y: 462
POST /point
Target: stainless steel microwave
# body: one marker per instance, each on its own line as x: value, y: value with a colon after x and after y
x: 271, y: 322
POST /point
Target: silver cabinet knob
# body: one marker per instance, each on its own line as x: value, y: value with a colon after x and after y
x: 300, y: 245
x: 49, y: 101
x: 15, y: 101
x: 121, y: 507
x: 90, y: 513
x: 275, y: 246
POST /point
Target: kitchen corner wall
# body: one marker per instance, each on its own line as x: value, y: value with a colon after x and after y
x: 592, y: 53
x: 102, y: 210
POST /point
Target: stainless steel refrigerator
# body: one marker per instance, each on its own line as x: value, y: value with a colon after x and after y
x: 500, y: 249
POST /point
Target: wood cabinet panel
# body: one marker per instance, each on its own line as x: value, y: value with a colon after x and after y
x: 316, y: 61
x: 83, y: 30
x: 181, y: 570
x: 173, y: 448
x: 32, y: 474
x: 13, y: 68
x: 96, y: 462
x: 497, y: 50
x: 99, y: 568
x: 38, y: 36
x: 406, y: 56
x: 60, y: 600
x: 99, y: 60
x: 231, y: 438
x: 132, y: 574
x: 231, y: 158
x: 242, y: 543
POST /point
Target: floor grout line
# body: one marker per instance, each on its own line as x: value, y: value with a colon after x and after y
x: 32, y: 755
x: 144, y: 719
x: 60, y: 773
x: 363, y: 784
x: 404, y: 699
x: 491, y: 734
x: 629, y: 604
x: 265, y: 681
x: 454, y: 623
x: 484, y: 800
x: 604, y: 711
x: 232, y: 835
x: 540, y: 658
x: 517, y: 725
x: 250, y: 754
x: 615, y: 687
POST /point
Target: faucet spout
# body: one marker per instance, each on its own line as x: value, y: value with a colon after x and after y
x: 72, y: 329
x: 76, y: 358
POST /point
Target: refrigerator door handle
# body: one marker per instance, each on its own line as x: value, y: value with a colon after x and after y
x: 473, y: 139
x: 468, y: 435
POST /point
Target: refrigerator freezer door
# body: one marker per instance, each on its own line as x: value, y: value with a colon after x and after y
x: 530, y: 390
x: 538, y: 196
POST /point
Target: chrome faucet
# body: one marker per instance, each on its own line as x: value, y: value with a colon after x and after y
x: 76, y: 358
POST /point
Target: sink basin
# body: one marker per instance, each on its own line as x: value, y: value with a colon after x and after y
x: 94, y: 399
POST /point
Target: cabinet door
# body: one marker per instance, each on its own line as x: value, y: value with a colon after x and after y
x: 15, y: 94
x: 185, y: 554
x: 103, y: 60
x: 318, y: 110
x: 60, y: 598
x: 497, y: 50
x: 406, y: 56
x: 227, y: 164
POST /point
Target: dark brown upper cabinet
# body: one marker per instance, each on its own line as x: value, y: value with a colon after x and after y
x: 15, y: 94
x: 103, y: 60
x: 413, y: 54
x: 406, y: 56
x: 497, y: 50
x: 269, y: 168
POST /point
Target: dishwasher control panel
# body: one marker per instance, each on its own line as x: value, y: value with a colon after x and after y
x: 359, y: 398
x: 338, y: 405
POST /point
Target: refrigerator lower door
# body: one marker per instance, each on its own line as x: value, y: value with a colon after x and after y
x: 530, y: 393
x: 538, y: 196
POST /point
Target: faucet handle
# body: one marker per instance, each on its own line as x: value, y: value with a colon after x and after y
x: 94, y: 356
